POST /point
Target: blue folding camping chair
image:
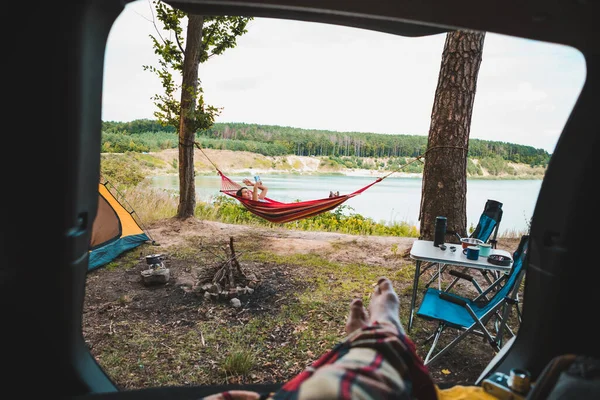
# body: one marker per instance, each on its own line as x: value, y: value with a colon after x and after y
x: 489, y: 223
x: 473, y: 316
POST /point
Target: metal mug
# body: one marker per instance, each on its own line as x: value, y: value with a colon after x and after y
x: 485, y: 249
x: 472, y: 252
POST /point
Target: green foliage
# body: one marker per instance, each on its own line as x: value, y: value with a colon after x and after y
x: 122, y: 142
x: 122, y: 170
x: 412, y: 168
x: 228, y: 210
x: 508, y: 151
x: 116, y: 143
x: 310, y: 142
x: 218, y: 34
x: 238, y: 362
x: 471, y: 229
x: 495, y: 165
x: 264, y: 148
x: 395, y: 163
x: 473, y: 169
x: 272, y: 140
x: 343, y: 220
x: 135, y: 127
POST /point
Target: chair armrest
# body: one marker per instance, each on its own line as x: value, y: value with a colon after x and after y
x: 453, y: 299
x: 462, y: 275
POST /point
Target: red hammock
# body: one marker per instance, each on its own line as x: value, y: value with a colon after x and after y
x: 278, y: 212
x: 275, y: 211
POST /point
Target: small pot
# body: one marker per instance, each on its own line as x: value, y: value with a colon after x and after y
x: 466, y: 242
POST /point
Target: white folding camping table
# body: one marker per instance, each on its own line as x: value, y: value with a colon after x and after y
x: 424, y: 250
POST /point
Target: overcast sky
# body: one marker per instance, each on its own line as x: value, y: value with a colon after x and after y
x: 319, y: 76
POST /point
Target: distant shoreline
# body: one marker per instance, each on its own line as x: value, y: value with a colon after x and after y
x: 357, y: 173
x: 243, y: 163
x: 353, y: 173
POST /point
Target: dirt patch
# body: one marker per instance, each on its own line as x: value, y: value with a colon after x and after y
x: 116, y: 301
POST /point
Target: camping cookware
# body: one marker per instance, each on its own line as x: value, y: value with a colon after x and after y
x: 466, y: 242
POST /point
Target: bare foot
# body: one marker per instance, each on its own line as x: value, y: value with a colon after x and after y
x: 357, y: 318
x: 385, y: 305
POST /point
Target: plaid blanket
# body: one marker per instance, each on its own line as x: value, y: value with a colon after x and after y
x: 374, y: 362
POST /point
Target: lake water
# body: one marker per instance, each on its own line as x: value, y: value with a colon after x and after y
x: 394, y: 199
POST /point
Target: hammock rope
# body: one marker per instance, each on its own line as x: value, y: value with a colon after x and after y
x: 278, y: 212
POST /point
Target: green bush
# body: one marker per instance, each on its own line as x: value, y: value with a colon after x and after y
x: 495, y: 165
x: 118, y: 142
x: 413, y: 168
x: 122, y: 170
x: 238, y: 362
x: 473, y: 169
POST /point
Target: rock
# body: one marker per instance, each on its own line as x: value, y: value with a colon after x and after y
x: 210, y: 296
x: 186, y: 281
x: 155, y: 276
x: 235, y: 302
x: 187, y: 289
x: 211, y: 287
x: 251, y: 277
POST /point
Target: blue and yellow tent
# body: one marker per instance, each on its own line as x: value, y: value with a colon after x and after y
x: 115, y: 230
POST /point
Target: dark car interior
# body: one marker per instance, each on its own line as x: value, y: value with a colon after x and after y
x: 59, y: 86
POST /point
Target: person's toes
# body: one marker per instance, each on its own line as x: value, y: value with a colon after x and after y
x: 357, y: 317
x: 384, y: 287
x: 384, y: 304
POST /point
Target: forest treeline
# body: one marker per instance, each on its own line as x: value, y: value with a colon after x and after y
x: 146, y: 135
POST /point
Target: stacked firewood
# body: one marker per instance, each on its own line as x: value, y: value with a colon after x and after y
x: 228, y: 281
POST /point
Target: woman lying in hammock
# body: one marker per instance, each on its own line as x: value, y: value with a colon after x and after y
x: 245, y: 193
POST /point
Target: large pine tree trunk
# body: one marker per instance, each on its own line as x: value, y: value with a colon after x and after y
x: 187, y: 183
x: 444, y: 187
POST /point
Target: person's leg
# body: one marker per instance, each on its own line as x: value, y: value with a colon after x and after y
x: 385, y: 305
x: 376, y: 360
x: 383, y: 308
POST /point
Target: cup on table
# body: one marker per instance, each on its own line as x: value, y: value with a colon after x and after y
x: 472, y: 252
x: 485, y: 249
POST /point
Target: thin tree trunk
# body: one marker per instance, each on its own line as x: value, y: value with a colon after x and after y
x: 187, y: 184
x: 444, y: 189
